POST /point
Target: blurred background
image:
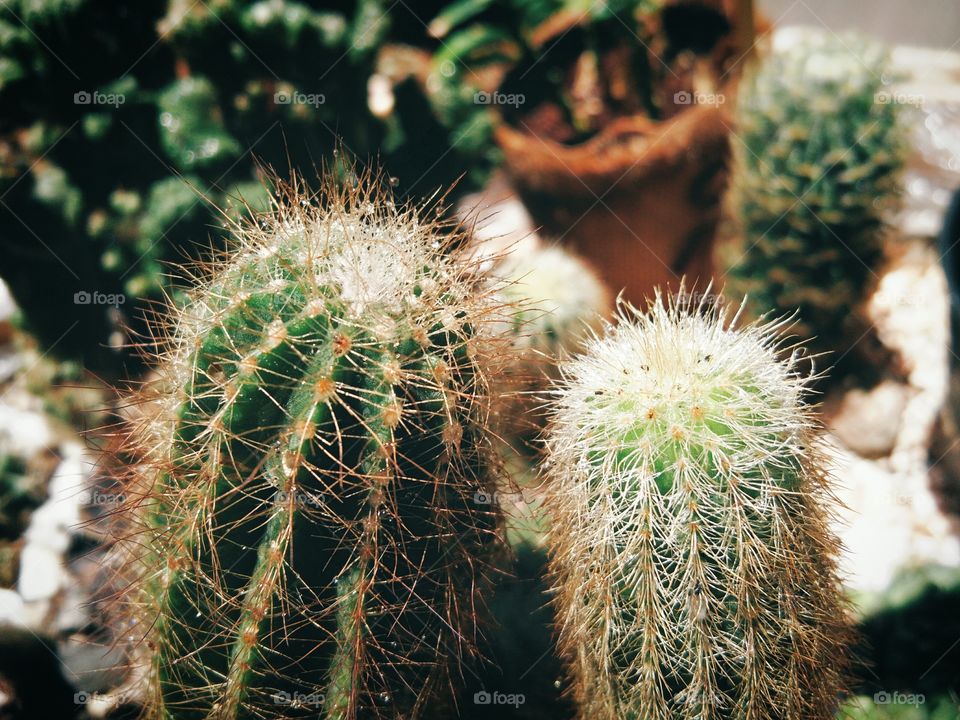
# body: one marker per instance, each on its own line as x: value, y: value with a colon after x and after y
x: 929, y: 23
x: 765, y: 149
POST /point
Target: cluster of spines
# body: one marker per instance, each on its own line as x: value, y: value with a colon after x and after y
x: 692, y: 557
x: 316, y: 438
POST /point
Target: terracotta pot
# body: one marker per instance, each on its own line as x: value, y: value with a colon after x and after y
x: 640, y: 200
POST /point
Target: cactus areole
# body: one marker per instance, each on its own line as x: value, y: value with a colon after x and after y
x: 312, y: 544
x: 694, y: 566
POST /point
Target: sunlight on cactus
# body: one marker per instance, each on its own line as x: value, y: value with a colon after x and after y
x: 695, y: 569
x: 307, y: 541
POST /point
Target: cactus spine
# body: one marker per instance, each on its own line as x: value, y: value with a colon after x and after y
x: 816, y: 168
x: 695, y: 570
x: 313, y: 548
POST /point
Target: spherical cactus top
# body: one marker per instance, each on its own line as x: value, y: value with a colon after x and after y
x: 664, y: 389
x: 382, y: 261
x: 554, y: 298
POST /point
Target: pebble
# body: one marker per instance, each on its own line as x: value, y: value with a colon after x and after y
x: 41, y: 573
x: 868, y: 422
x: 11, y: 608
x: 23, y: 432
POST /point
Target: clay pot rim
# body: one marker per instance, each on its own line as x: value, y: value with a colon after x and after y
x: 630, y: 148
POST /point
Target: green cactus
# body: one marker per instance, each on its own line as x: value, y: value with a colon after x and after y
x: 315, y: 445
x: 817, y: 151
x: 695, y: 570
x: 555, y: 298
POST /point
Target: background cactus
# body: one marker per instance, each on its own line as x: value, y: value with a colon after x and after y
x: 817, y: 151
x: 313, y: 548
x: 695, y: 569
x: 552, y: 301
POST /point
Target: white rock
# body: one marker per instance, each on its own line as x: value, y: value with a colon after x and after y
x: 53, y: 522
x: 48, y: 528
x: 890, y: 521
x: 23, y: 432
x: 11, y: 608
x: 868, y: 422
x: 893, y: 518
x: 41, y: 573
x: 68, y: 485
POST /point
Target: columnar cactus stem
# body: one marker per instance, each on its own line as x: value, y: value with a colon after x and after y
x: 818, y: 151
x: 312, y: 544
x: 695, y: 569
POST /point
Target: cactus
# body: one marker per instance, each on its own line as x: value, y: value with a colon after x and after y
x: 816, y: 158
x: 695, y: 570
x: 317, y: 438
x: 552, y: 301
x: 555, y: 300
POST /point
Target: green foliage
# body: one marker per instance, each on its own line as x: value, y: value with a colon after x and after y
x: 817, y: 153
x: 131, y: 124
x: 694, y: 563
x: 908, y: 631
x: 315, y: 443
